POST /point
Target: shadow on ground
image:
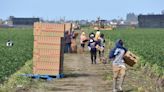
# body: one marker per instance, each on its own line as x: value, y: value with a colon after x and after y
x: 75, y: 75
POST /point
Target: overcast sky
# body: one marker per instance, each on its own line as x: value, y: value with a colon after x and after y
x: 78, y: 9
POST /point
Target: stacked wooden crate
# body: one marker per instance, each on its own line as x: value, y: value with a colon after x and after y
x: 68, y: 26
x: 48, y: 48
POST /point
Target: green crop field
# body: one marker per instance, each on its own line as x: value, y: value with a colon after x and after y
x: 13, y: 58
x: 147, y: 43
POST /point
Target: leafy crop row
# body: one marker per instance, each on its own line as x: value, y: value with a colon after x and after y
x: 147, y: 43
x: 13, y: 58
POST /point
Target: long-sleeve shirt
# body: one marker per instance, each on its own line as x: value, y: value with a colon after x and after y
x: 67, y: 38
x: 118, y: 60
x: 102, y: 42
x: 97, y: 35
x: 82, y: 38
x: 92, y: 45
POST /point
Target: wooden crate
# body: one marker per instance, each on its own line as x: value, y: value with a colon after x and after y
x: 49, y: 27
x: 48, y: 51
x: 51, y: 64
x: 47, y: 65
x: 49, y: 33
x: 68, y: 26
x: 55, y: 57
x: 38, y: 45
x: 46, y: 71
x: 44, y: 59
x: 47, y: 40
x: 130, y: 58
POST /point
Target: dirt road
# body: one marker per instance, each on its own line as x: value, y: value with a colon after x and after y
x: 82, y: 76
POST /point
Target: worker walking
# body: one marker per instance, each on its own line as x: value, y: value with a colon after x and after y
x: 83, y: 40
x: 92, y: 35
x: 67, y: 39
x: 101, y: 42
x: 119, y: 69
x: 97, y: 36
x: 92, y: 48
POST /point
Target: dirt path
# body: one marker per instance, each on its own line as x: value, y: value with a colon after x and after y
x: 82, y: 76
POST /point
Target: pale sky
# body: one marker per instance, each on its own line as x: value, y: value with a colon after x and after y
x: 78, y: 9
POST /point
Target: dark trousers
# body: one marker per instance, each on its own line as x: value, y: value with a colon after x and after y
x: 67, y: 48
x: 93, y: 56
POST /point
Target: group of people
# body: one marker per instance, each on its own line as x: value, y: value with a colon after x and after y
x: 96, y: 43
